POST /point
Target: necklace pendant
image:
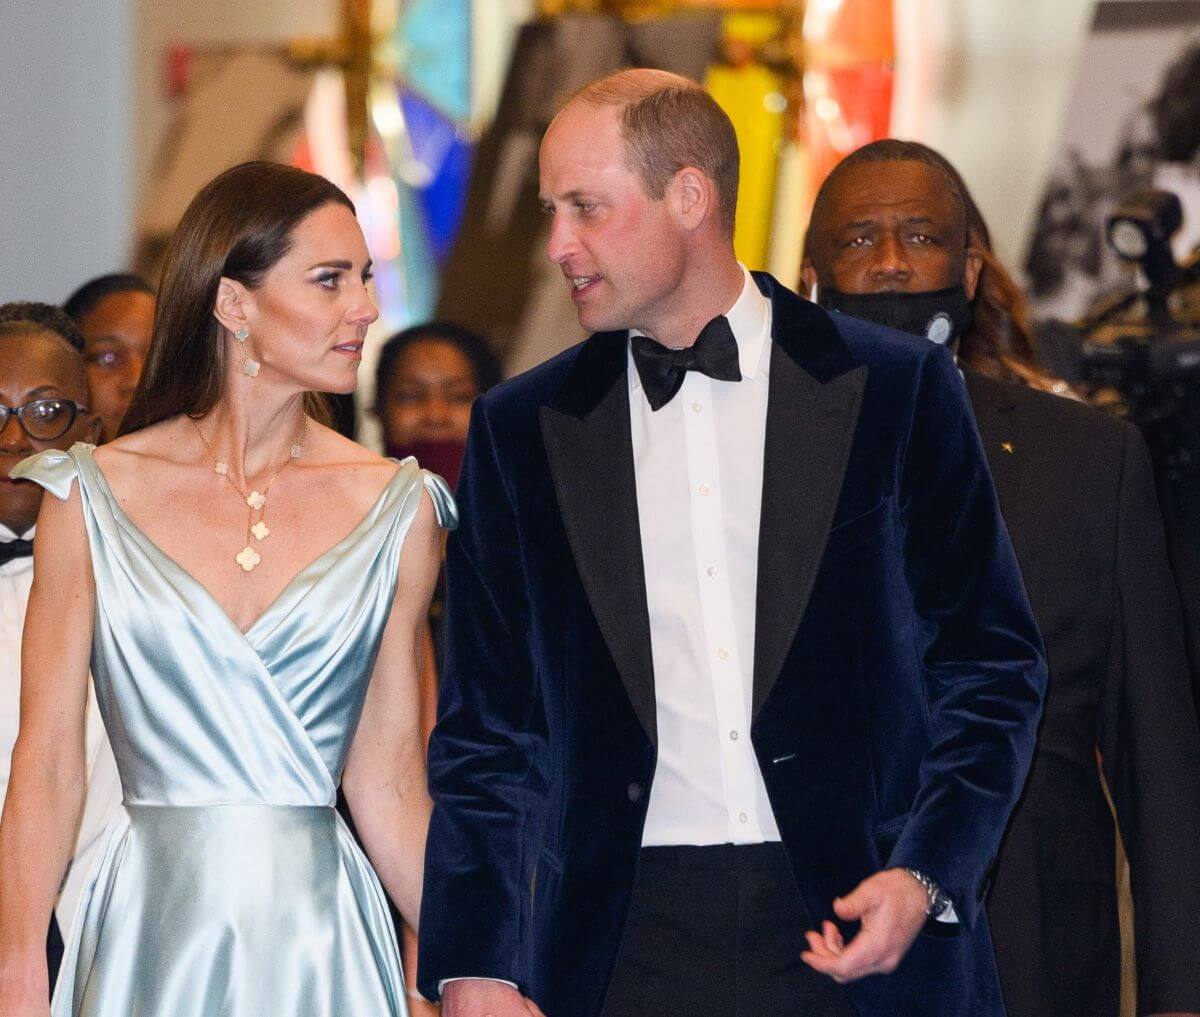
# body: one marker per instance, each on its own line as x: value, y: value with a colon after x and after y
x: 256, y: 500
x: 248, y: 559
x: 296, y: 451
x: 221, y: 469
x: 260, y: 530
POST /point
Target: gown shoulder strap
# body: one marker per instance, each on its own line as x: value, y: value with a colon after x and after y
x: 53, y: 469
x: 443, y: 499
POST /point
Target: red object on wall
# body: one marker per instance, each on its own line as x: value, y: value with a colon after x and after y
x: 849, y: 77
x: 178, y: 70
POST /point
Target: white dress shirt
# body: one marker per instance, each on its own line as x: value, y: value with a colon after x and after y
x: 698, y: 463
x: 104, y: 784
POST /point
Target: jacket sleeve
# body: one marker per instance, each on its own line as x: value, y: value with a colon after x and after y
x: 982, y: 657
x: 1150, y: 747
x: 486, y: 753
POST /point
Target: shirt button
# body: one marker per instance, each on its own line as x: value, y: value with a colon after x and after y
x: 697, y: 407
x: 743, y: 818
x: 733, y: 736
x: 722, y: 654
x: 705, y: 490
x: 711, y: 571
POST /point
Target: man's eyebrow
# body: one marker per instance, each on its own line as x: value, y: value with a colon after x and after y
x: 569, y: 196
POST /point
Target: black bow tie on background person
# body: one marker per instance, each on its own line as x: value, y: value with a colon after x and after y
x: 11, y: 549
x: 662, y: 369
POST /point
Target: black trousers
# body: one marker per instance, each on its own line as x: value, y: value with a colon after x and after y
x: 718, y: 931
x: 54, y: 951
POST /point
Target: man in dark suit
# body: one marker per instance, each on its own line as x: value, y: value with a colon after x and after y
x: 739, y: 691
x: 889, y: 242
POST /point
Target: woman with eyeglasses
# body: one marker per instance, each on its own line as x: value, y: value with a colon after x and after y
x: 43, y: 405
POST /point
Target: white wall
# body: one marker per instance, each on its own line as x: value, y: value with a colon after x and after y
x: 165, y: 23
x: 65, y: 145
x: 987, y: 82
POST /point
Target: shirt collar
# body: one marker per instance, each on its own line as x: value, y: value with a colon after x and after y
x: 18, y: 566
x: 6, y: 534
x: 749, y: 320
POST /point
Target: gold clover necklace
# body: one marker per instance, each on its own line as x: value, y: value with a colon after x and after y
x: 257, y: 531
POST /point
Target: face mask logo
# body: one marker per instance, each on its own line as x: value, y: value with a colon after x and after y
x: 940, y: 328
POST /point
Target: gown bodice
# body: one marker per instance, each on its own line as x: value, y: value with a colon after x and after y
x: 229, y: 887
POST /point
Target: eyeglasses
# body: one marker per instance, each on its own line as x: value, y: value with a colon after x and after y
x: 43, y: 419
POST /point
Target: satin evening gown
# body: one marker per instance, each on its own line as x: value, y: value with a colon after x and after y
x: 230, y: 887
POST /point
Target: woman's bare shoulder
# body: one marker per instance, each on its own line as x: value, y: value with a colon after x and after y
x: 163, y: 441
x: 359, y: 473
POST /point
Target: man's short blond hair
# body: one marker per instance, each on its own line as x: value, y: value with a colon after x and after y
x: 669, y: 122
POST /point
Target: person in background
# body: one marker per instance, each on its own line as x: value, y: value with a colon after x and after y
x: 43, y: 405
x: 426, y: 379
x: 116, y: 314
x: 895, y: 238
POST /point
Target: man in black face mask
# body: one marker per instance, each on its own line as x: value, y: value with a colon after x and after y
x: 889, y: 242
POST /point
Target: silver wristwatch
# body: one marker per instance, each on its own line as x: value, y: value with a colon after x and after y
x: 936, y: 903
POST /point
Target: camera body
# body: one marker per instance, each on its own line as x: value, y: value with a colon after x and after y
x: 1140, y: 354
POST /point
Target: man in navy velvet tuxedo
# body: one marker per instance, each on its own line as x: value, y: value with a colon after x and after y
x: 741, y: 678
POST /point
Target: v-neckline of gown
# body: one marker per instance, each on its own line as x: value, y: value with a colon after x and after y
x: 335, y: 551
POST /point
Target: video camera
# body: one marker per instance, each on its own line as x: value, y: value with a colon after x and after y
x: 1145, y: 346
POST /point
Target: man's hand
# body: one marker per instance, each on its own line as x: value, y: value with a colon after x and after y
x: 891, y: 907
x: 482, y: 997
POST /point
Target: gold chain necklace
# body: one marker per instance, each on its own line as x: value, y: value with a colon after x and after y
x: 248, y: 558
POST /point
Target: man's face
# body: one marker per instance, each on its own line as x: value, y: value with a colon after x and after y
x: 33, y: 366
x: 890, y: 227
x: 620, y: 251
x: 117, y: 334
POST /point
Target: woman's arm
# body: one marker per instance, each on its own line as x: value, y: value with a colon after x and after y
x: 384, y: 781
x: 46, y: 787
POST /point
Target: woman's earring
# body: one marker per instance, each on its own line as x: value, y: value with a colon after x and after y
x: 250, y: 366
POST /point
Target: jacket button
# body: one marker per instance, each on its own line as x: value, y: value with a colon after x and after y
x: 634, y: 791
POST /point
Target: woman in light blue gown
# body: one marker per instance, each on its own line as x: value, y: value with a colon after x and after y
x: 249, y: 590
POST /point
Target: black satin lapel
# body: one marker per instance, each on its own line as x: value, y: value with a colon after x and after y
x: 810, y: 428
x: 591, y: 460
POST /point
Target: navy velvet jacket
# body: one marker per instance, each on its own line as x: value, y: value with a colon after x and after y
x: 898, y: 673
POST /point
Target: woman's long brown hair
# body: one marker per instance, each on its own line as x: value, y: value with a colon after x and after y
x: 237, y: 227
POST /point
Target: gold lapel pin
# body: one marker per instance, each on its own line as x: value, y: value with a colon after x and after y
x: 1007, y: 446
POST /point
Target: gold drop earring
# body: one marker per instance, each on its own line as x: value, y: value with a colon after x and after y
x: 250, y: 366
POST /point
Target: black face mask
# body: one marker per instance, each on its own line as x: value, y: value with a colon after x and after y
x: 941, y: 316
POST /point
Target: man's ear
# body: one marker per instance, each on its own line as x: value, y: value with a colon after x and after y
x: 808, y: 278
x: 692, y: 197
x: 233, y: 304
x: 973, y: 267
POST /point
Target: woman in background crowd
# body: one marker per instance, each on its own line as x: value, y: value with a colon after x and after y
x: 1000, y: 341
x: 116, y: 315
x: 426, y: 379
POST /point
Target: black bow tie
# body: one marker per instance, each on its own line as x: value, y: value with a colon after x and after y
x: 11, y: 549
x: 662, y: 370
